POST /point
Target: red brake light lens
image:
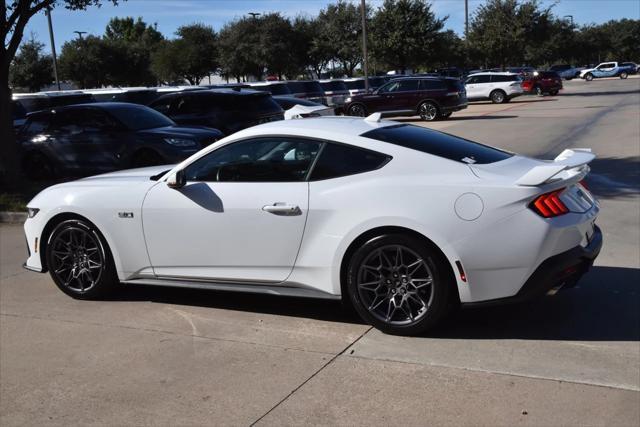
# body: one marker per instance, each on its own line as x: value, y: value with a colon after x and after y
x: 549, y: 205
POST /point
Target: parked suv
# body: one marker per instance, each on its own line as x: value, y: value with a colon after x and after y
x: 542, y: 83
x: 429, y: 97
x: 307, y: 89
x: 274, y: 88
x: 335, y: 92
x: 226, y: 110
x: 498, y: 87
x: 101, y: 137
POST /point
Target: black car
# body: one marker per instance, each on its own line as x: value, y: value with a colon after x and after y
x: 226, y: 110
x: 101, y: 137
x: 43, y: 100
x: 274, y: 88
x: 431, y: 98
x: 142, y: 96
x: 307, y: 89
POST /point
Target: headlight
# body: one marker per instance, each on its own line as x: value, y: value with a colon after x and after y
x: 179, y: 142
x: 31, y: 212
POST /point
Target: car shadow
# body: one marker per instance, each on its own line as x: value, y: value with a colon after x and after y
x: 614, y: 177
x: 603, y: 93
x: 605, y: 306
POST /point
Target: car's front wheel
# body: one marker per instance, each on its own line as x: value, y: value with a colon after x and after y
x: 588, y: 77
x: 398, y: 284
x: 79, y: 260
x: 428, y: 111
x: 624, y: 75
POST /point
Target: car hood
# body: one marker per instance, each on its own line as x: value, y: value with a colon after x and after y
x: 125, y: 176
x: 198, y: 132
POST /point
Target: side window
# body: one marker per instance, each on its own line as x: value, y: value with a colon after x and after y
x: 486, y: 78
x: 338, y: 160
x: 68, y: 121
x: 257, y: 160
x: 391, y: 87
x: 36, y: 125
x: 408, y: 85
x: 163, y: 105
x: 432, y: 85
x: 96, y: 121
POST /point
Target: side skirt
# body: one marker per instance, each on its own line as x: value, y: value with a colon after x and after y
x: 290, y: 289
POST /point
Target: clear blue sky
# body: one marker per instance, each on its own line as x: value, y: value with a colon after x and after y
x: 170, y: 14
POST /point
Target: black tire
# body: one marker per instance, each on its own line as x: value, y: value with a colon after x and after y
x: 624, y: 75
x: 357, y: 110
x: 428, y: 111
x: 554, y: 92
x: 498, y: 97
x: 427, y: 303
x: 446, y: 115
x: 37, y: 167
x: 588, y: 77
x: 79, y: 260
x: 145, y: 158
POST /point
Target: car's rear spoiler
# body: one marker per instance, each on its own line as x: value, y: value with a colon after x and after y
x: 574, y: 161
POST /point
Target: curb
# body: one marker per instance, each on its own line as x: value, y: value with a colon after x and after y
x: 13, y: 217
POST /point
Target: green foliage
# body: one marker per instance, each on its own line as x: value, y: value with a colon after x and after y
x: 405, y: 34
x: 192, y: 56
x: 31, y: 69
x: 240, y: 51
x: 85, y: 62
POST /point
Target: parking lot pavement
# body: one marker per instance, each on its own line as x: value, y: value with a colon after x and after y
x: 175, y: 356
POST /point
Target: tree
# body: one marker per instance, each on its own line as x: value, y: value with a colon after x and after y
x: 340, y: 28
x: 311, y: 52
x: 277, y: 44
x: 129, y: 45
x: 192, y: 56
x: 31, y: 69
x: 405, y: 33
x: 239, y: 43
x: 502, y: 29
x: 15, y: 17
x: 86, y: 62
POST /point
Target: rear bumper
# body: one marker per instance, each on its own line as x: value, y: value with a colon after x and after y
x: 562, y: 270
x: 452, y: 108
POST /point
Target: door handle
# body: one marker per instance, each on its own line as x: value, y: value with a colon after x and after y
x: 282, y: 209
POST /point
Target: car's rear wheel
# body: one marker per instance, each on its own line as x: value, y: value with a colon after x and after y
x: 357, y: 110
x: 79, y: 260
x: 624, y: 75
x: 554, y: 92
x: 37, y: 167
x: 588, y: 77
x: 398, y: 284
x: 498, y: 97
x: 144, y: 158
x: 428, y: 111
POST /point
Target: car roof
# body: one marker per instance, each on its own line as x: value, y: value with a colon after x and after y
x: 491, y: 73
x: 212, y: 92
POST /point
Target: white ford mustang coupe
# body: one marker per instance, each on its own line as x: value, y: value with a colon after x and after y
x: 401, y: 221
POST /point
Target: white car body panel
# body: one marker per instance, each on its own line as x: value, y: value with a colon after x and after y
x: 234, y: 240
x: 482, y: 91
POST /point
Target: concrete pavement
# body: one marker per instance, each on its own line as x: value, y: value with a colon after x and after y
x: 188, y: 357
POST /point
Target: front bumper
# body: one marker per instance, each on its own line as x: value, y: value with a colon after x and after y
x: 562, y: 270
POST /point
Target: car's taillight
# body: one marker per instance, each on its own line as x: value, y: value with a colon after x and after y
x: 549, y: 205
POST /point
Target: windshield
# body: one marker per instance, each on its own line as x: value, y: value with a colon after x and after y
x: 138, y: 117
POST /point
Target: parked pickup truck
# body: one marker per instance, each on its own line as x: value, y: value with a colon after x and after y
x: 606, y: 69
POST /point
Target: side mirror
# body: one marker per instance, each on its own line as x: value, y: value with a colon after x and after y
x: 177, y: 180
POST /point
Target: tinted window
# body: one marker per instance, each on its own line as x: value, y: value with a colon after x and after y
x: 304, y: 87
x: 17, y: 110
x: 355, y: 84
x: 142, y: 97
x: 36, y: 124
x: 455, y: 85
x: 62, y: 100
x: 35, y: 103
x: 67, y: 121
x: 333, y: 86
x: 499, y: 78
x: 433, y: 85
x: 377, y: 81
x: 257, y: 160
x: 437, y: 143
x: 341, y: 160
x: 163, y: 105
x: 274, y: 89
x: 485, y: 78
x: 95, y: 120
x: 139, y: 117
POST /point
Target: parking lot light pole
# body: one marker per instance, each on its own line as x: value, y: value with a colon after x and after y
x: 53, y: 48
x: 364, y: 46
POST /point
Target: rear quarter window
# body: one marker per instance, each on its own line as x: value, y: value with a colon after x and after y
x: 437, y: 144
x: 338, y: 160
